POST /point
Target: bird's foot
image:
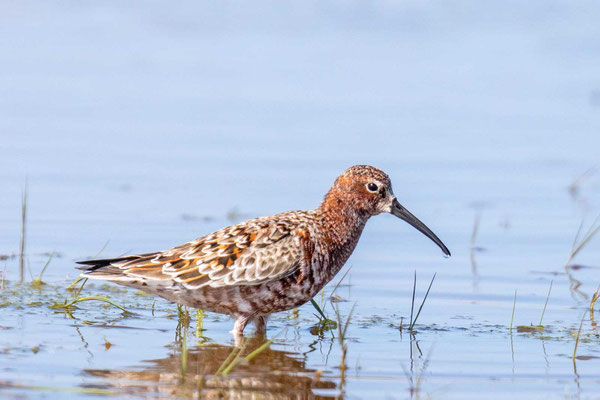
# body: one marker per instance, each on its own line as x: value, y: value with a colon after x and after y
x: 260, y: 322
x: 238, y: 329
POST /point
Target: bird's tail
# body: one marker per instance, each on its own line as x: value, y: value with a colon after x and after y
x: 104, y: 268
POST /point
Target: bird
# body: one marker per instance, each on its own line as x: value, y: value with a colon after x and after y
x: 264, y: 265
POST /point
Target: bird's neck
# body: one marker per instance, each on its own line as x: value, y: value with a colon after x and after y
x: 341, y: 228
x: 342, y: 222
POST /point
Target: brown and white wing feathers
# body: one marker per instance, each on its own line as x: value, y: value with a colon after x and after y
x: 246, y: 254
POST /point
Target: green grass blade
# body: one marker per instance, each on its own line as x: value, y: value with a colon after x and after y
x: 102, y: 249
x: 423, y: 303
x: 184, y: 354
x: 39, y: 278
x: 23, y: 234
x: 316, y: 306
x: 235, y: 360
x: 262, y: 347
x: 89, y: 298
x: 343, y: 333
x: 513, y: 311
x: 595, y: 298
x: 545, y: 304
x: 412, y: 304
x: 340, y: 281
x: 75, y: 282
x: 81, y: 287
x: 227, y: 360
x: 578, y: 336
x: 199, y: 322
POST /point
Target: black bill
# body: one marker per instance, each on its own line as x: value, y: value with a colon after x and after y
x: 404, y: 214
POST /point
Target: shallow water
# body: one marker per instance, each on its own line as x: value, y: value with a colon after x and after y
x: 137, y: 130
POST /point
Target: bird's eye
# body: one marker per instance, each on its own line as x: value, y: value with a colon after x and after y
x: 372, y: 187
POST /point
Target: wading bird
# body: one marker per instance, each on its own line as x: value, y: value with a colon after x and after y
x: 264, y: 265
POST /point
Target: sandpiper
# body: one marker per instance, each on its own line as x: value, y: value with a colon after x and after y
x: 264, y: 265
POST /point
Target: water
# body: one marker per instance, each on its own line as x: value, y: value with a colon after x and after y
x: 147, y: 127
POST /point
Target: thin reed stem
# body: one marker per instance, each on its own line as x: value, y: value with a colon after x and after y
x: 199, y: 322
x: 578, y: 336
x: 513, y: 311
x: 37, y: 282
x: 184, y: 354
x: 23, y: 233
x: 595, y: 298
x: 88, y: 298
x: 545, y: 304
x: 412, y: 304
x: 235, y: 360
x: 410, y: 328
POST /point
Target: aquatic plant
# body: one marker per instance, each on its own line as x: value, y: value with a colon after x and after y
x: 578, y: 336
x: 531, y: 328
x: 324, y: 323
x: 578, y: 244
x: 69, y: 305
x: 512, y: 317
x: 575, y: 186
x: 199, y: 322
x: 415, y: 379
x: 595, y: 298
x: 37, y: 282
x: 546, y: 303
x: 183, y: 321
x: 474, y: 248
x: 412, y: 323
x: 184, y: 354
x: 88, y: 298
x: 79, y: 278
x: 234, y: 358
x: 342, y: 335
x: 23, y: 230
x: 3, y: 278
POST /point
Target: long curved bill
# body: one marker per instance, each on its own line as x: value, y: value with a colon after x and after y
x: 404, y: 214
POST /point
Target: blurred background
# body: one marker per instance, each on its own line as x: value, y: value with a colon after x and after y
x: 117, y: 112
x: 136, y: 127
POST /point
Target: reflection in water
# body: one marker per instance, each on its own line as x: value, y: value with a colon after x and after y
x: 417, y: 372
x: 474, y: 248
x: 512, y: 350
x: 580, y: 241
x: 271, y: 374
x: 575, y: 186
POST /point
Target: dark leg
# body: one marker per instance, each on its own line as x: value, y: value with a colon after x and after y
x: 260, y: 323
x: 238, y: 328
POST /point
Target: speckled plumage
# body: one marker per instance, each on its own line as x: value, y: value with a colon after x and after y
x: 264, y: 265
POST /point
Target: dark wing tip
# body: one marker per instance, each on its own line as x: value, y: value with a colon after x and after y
x: 92, y: 265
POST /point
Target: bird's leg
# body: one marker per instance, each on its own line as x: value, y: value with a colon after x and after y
x: 238, y: 328
x: 260, y: 323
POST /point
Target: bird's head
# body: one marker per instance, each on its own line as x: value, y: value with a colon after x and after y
x: 367, y: 191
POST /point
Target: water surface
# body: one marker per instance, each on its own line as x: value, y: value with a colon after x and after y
x: 142, y: 128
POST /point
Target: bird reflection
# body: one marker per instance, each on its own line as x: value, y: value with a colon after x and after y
x: 271, y: 374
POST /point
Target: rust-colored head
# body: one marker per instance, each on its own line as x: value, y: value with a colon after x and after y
x: 365, y: 191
